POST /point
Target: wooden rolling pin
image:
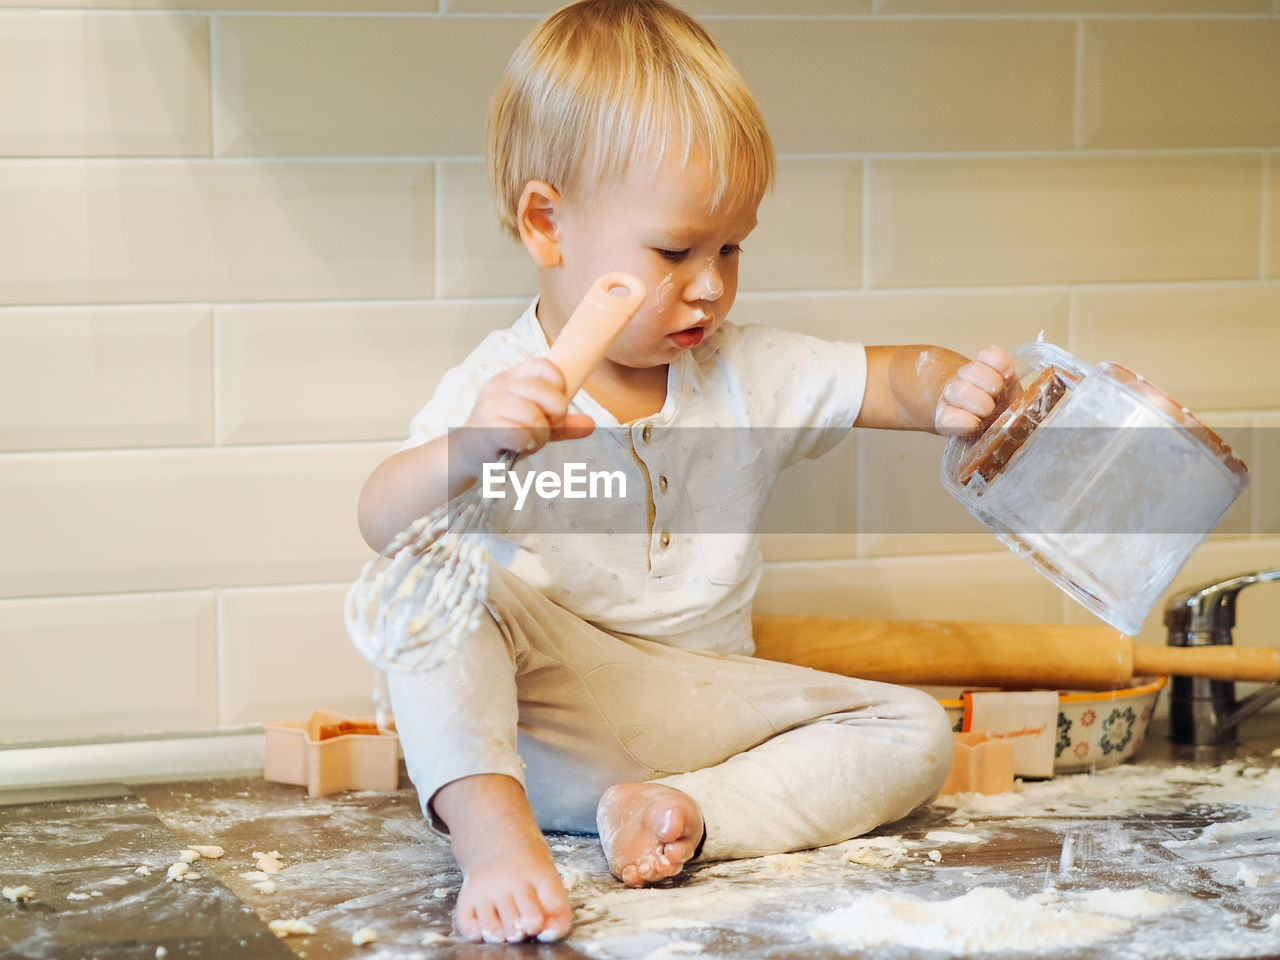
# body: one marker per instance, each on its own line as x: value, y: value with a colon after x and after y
x: 960, y: 653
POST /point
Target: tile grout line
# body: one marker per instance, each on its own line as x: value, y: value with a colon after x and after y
x: 1264, y: 218
x: 214, y: 96
x: 215, y: 380
x: 1150, y: 153
x: 978, y: 289
x: 1073, y: 306
x: 865, y: 258
x: 221, y: 665
x: 437, y: 231
x: 1077, y: 118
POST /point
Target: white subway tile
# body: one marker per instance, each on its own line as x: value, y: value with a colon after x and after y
x: 1271, y: 218
x: 902, y: 505
x: 94, y: 85
x: 164, y: 231
x: 810, y: 231
x: 1212, y: 347
x: 985, y: 586
x: 285, y: 652
x: 269, y: 6
x: 1109, y: 218
x: 853, y: 85
x: 1265, y: 469
x: 105, y: 377
x: 1113, y: 7
x: 169, y: 520
x: 961, y: 320
x: 100, y: 666
x: 358, y: 86
x: 477, y: 259
x: 1199, y: 82
x: 326, y: 372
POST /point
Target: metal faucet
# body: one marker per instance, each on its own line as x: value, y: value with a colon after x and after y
x: 1205, y: 712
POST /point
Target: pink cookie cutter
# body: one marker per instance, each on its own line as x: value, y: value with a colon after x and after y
x: 329, y: 752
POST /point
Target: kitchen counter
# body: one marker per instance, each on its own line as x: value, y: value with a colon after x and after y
x: 1160, y: 858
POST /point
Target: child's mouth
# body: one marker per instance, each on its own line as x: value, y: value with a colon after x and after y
x: 688, y: 338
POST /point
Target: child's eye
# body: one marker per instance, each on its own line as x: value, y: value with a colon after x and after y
x: 731, y: 250
x: 674, y: 256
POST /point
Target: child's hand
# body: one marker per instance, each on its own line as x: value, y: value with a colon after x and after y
x: 522, y: 409
x: 979, y: 389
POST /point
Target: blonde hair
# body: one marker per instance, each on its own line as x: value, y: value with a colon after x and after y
x: 601, y: 84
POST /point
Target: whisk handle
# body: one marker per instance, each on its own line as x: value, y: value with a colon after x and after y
x: 595, y: 323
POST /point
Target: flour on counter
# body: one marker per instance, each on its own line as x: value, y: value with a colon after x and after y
x: 984, y: 920
x: 1268, y: 829
x: 951, y: 836
x: 1128, y: 903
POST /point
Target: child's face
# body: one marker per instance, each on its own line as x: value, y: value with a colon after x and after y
x: 657, y: 225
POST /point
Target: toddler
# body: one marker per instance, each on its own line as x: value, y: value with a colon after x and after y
x: 609, y: 688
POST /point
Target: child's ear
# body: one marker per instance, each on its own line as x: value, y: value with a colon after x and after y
x: 538, y: 222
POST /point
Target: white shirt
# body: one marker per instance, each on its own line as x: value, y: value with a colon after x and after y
x: 677, y: 559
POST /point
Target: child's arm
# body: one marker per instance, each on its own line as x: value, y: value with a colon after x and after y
x: 931, y: 388
x: 520, y: 409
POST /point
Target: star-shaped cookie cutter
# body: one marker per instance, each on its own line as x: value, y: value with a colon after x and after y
x: 330, y: 752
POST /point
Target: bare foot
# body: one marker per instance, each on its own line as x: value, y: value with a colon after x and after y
x: 511, y: 889
x: 648, y: 831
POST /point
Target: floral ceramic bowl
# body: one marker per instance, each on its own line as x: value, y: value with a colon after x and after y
x: 1095, y: 730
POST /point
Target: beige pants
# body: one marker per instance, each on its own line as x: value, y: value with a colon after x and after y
x: 778, y: 757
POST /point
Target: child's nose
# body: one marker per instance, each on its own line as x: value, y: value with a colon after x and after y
x: 708, y: 285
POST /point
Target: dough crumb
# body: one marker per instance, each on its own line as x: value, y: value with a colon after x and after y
x: 440, y: 892
x: 268, y: 862
x: 874, y: 851
x: 189, y: 856
x: 935, y: 856
x: 265, y: 886
x: 364, y: 936
x: 161, y: 953
x: 77, y: 896
x: 212, y: 851
x: 143, y: 871
x: 290, y: 927
x: 177, y: 871
x: 18, y: 894
x: 431, y: 937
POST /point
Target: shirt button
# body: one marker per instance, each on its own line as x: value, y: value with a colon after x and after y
x: 662, y: 483
x: 665, y: 539
x: 646, y: 433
